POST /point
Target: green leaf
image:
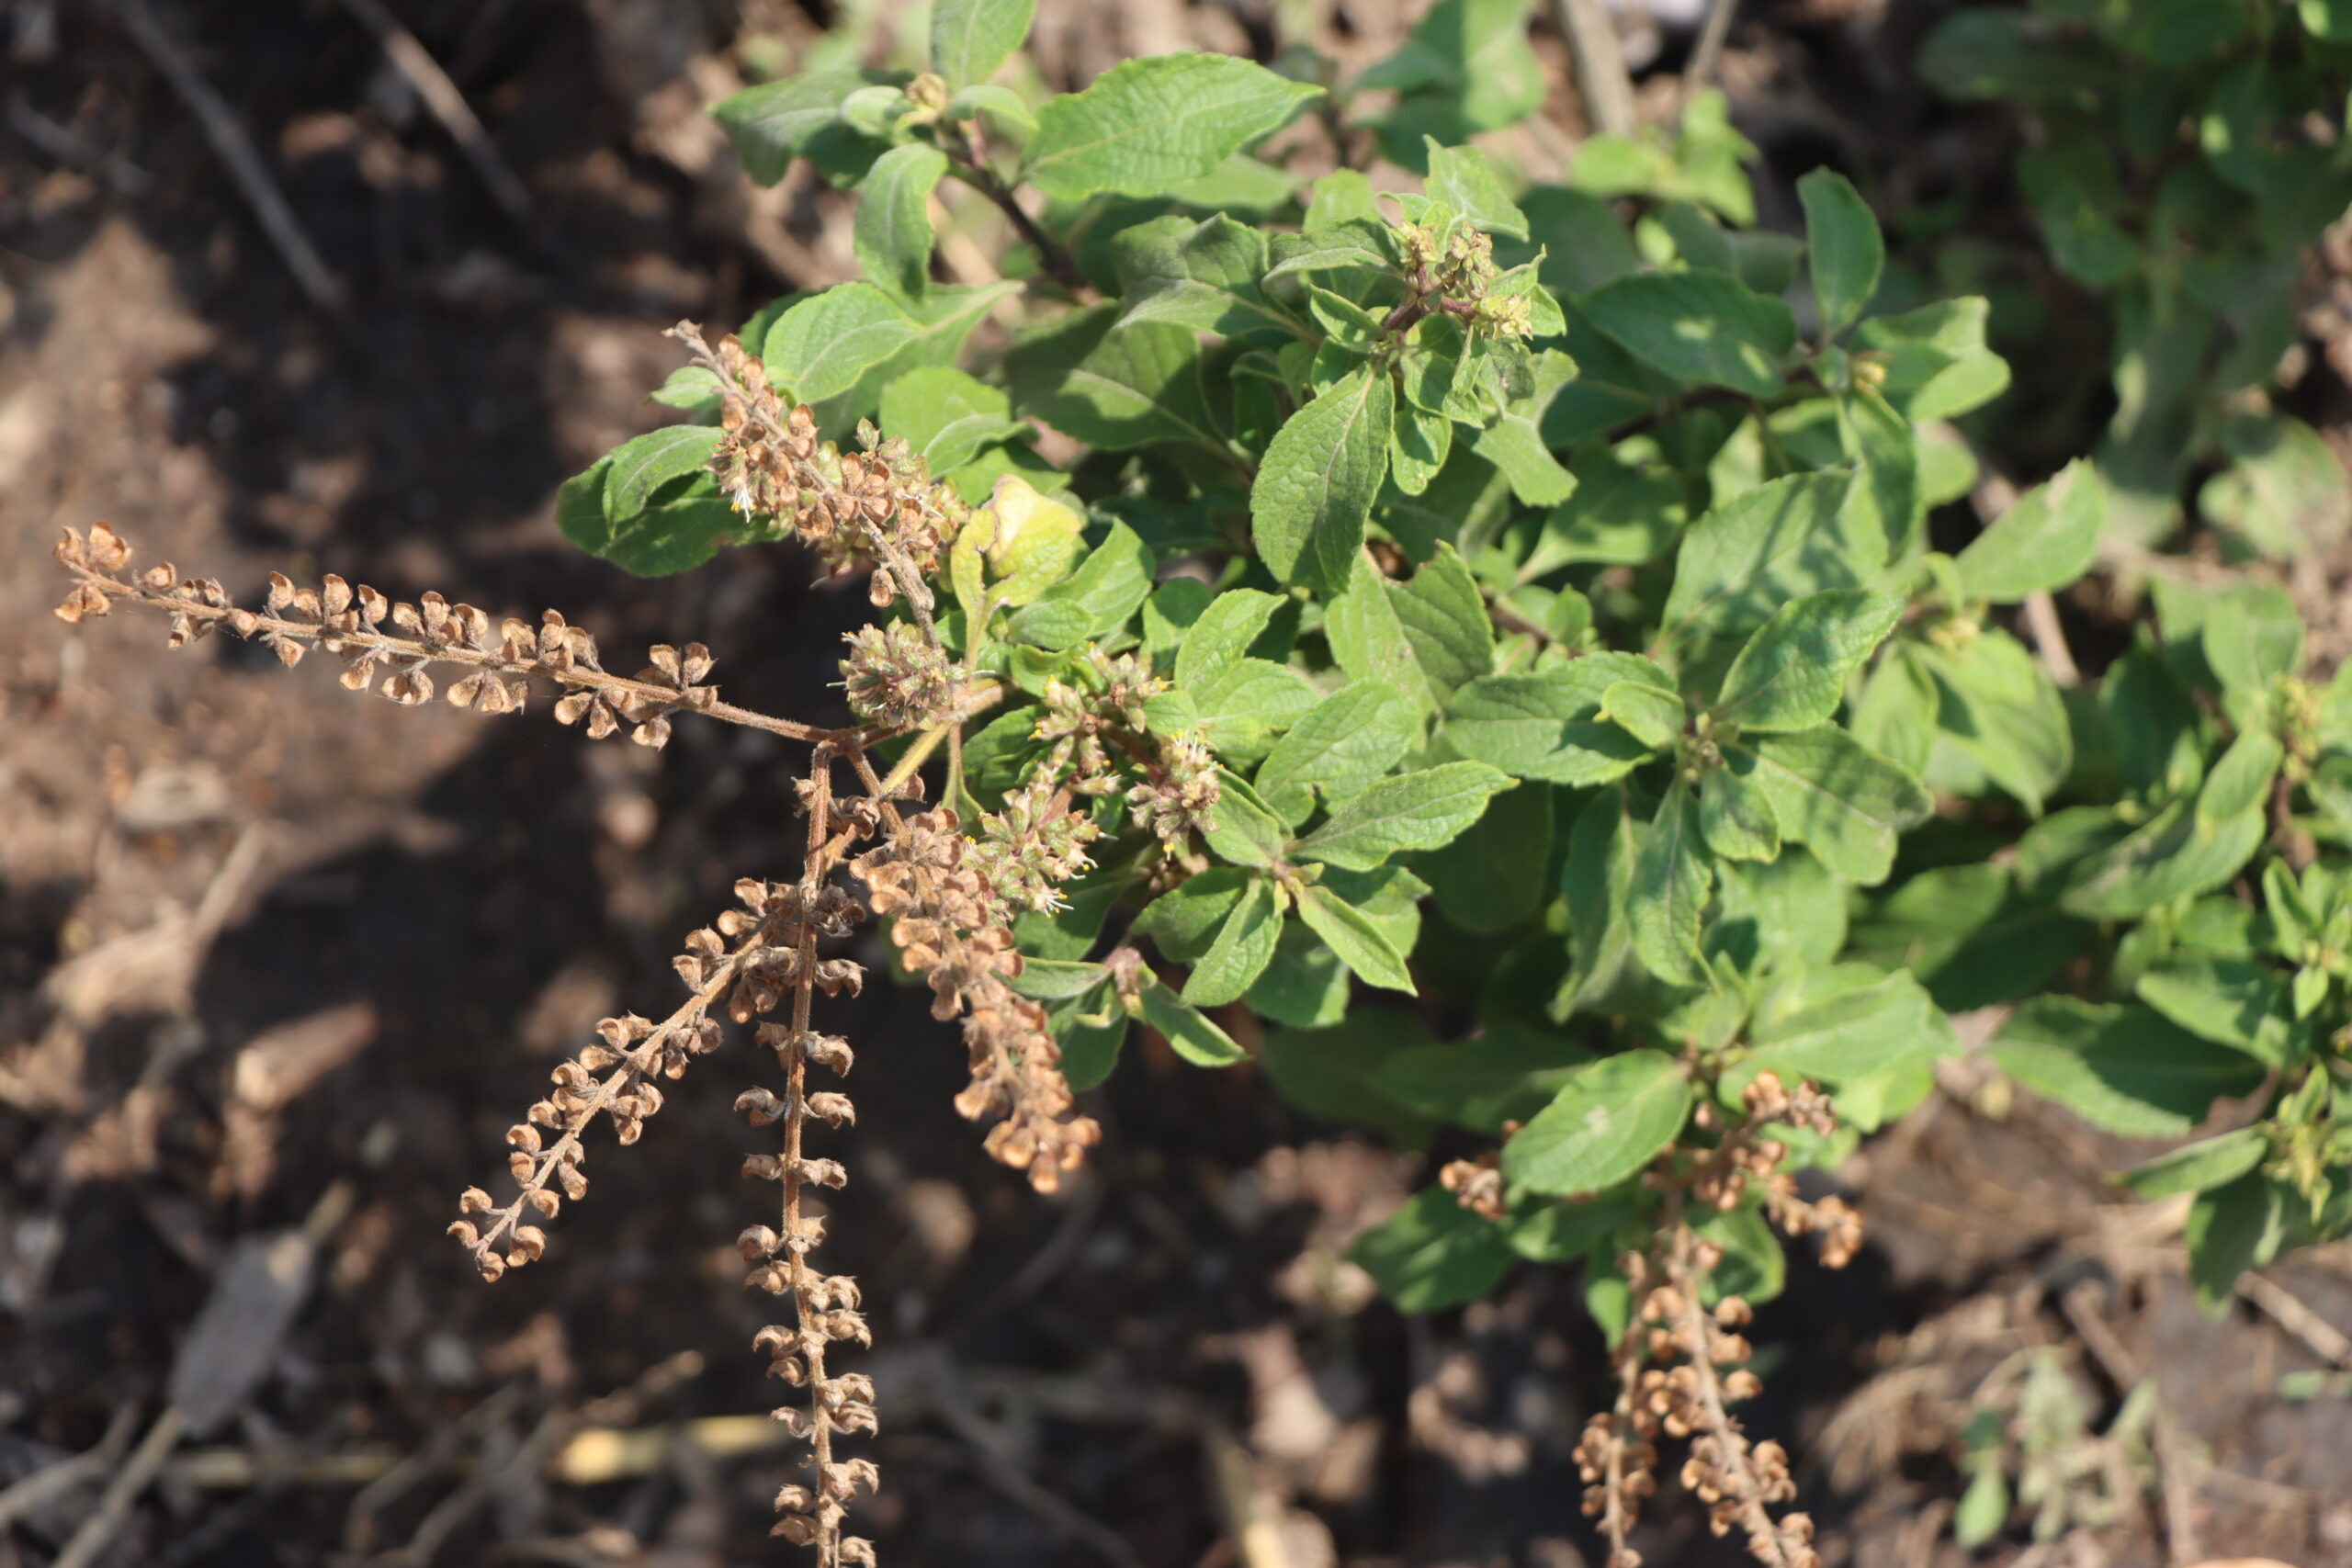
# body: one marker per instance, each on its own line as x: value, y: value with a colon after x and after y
x: 1847, y: 250
x: 2124, y: 1069
x: 1463, y: 180
x: 1671, y: 880
x: 1109, y: 586
x: 2284, y: 492
x: 1515, y: 441
x: 1996, y: 704
x: 2173, y: 854
x: 1339, y: 747
x: 1763, y: 547
x: 1651, y: 716
x: 671, y: 536
x: 1116, y: 387
x: 1848, y: 1036
x: 1363, y: 243
x: 2231, y: 1229
x: 1242, y: 710
x: 1508, y: 1074
x: 1984, y: 1508
x: 1007, y: 105
x: 1836, y: 797
x: 2195, y: 1168
x: 1609, y: 1121
x: 1885, y: 449
x: 1466, y: 67
x: 947, y: 416
x: 1242, y: 829
x: 1792, y: 672
x: 1183, y: 922
x: 1146, y: 127
x: 1351, y: 933
x: 1735, y: 817
x: 1367, y: 637
x: 1204, y: 276
x: 854, y: 336
x: 2235, y: 1002
x: 1328, y: 1072
x: 1548, y: 726
x: 1048, y: 980
x: 1412, y: 811
x: 969, y: 39
x: 1497, y: 873
x: 1936, y: 362
x: 1305, y: 986
x: 1189, y: 1032
x: 1696, y: 326
x: 1432, y: 1253
x: 641, y: 466
x: 1244, y: 946
x: 1216, y: 641
x: 776, y: 122
x: 1089, y: 1037
x: 1321, y: 477
x: 1567, y: 1232
x: 1446, y: 622
x: 2240, y: 783
x: 2045, y: 541
x: 1604, y: 846
x: 892, y: 233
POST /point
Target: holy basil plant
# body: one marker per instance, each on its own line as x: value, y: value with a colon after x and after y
x: 1546, y: 723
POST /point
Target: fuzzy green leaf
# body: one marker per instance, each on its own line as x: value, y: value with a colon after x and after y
x: 2195, y: 1168
x: 1109, y: 586
x: 2123, y: 1069
x: 1793, y: 671
x: 1763, y: 547
x: 2236, y: 1002
x: 1216, y: 641
x: 892, y: 232
x: 641, y: 466
x: 1242, y: 829
x: 1432, y: 1254
x: 1609, y: 1121
x: 1671, y: 880
x: 1463, y: 180
x: 1736, y: 819
x: 1696, y: 326
x: 969, y: 39
x: 1244, y: 946
x: 1321, y: 477
x: 1548, y: 726
x: 1146, y: 127
x: 1508, y: 1074
x: 2045, y: 541
x: 1116, y: 387
x: 1847, y: 250
x: 1836, y: 797
x: 1189, y: 1032
x: 1362, y: 946
x: 1412, y: 811
x: 1339, y: 747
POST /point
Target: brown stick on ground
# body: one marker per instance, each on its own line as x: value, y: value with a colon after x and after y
x: 448, y: 106
x: 236, y: 149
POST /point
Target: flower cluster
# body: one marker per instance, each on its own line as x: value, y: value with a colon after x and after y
x: 877, y: 506
x: 351, y: 623
x: 1455, y: 273
x: 951, y: 928
x: 1104, y: 711
x: 899, y: 679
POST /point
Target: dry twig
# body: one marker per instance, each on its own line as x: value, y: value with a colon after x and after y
x: 236, y: 149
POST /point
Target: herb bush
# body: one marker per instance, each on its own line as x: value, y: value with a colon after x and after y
x: 1486, y: 659
x: 2180, y: 161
